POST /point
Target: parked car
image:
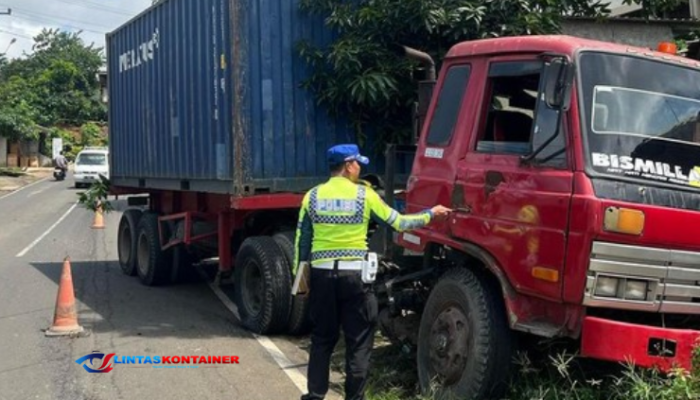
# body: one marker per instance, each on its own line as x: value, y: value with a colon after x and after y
x: 89, y: 165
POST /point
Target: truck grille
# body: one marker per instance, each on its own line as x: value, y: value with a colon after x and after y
x: 672, y: 279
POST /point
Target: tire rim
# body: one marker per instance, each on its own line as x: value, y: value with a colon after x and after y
x: 449, y: 345
x: 125, y: 244
x: 143, y: 255
x: 252, y: 292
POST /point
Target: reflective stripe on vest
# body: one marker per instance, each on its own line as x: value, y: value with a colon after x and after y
x: 336, y: 254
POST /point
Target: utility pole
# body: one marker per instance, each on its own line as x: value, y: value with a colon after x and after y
x: 8, y: 12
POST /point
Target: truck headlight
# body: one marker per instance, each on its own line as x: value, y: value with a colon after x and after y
x: 636, y: 290
x: 606, y: 286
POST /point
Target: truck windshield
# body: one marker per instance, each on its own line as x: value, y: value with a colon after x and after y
x: 642, y: 118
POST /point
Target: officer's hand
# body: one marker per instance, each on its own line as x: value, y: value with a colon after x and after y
x: 441, y: 211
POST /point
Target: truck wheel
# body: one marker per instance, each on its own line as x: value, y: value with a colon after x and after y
x: 299, y: 321
x: 262, y: 285
x: 464, y: 342
x: 153, y: 265
x: 126, y: 240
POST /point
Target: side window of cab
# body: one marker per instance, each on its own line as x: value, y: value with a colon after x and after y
x: 449, y: 102
x: 518, y: 120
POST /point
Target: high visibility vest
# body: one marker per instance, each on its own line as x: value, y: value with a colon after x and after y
x: 334, y: 219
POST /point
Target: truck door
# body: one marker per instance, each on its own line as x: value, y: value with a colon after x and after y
x: 516, y: 210
x: 445, y: 139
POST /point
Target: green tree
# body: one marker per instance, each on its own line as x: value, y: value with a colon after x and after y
x: 361, y: 75
x: 62, y: 72
x: 17, y: 115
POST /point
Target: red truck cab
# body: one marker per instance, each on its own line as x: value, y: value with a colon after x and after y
x: 589, y: 226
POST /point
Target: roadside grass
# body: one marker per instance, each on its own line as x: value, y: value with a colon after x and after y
x: 11, y: 172
x: 546, y: 373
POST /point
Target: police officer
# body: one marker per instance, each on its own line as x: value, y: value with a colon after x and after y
x: 332, y: 236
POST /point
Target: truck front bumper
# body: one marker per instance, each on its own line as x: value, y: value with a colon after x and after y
x: 645, y: 346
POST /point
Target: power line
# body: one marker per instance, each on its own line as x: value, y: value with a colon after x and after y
x: 40, y: 16
x: 55, y: 21
x: 100, y: 7
x: 17, y: 34
x: 58, y: 19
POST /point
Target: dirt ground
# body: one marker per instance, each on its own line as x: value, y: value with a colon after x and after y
x: 9, y: 184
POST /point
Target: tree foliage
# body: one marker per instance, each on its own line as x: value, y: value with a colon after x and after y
x: 360, y: 74
x: 90, y: 135
x: 16, y: 111
x: 56, y: 84
x: 656, y: 8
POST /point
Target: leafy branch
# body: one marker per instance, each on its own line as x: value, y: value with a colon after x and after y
x: 96, y: 196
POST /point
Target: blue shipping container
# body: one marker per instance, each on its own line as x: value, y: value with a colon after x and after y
x: 205, y: 96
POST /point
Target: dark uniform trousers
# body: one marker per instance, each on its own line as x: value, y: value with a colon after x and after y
x: 340, y: 298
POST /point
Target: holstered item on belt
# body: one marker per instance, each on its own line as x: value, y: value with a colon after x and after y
x: 369, y: 268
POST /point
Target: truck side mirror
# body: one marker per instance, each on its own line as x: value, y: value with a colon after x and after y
x: 558, y: 78
x: 559, y: 74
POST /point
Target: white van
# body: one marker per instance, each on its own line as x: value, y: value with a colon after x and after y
x: 90, y: 163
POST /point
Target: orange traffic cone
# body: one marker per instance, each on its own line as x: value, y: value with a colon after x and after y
x: 98, y: 222
x: 65, y: 319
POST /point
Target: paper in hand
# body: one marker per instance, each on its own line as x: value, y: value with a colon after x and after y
x: 301, y: 284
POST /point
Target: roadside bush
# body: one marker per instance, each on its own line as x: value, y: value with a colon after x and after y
x: 556, y: 375
x: 75, y: 139
x: 70, y: 143
x: 567, y: 377
x: 91, y: 135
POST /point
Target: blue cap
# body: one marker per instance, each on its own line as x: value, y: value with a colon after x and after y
x: 346, y: 152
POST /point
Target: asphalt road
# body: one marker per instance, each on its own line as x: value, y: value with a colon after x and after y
x: 39, y: 226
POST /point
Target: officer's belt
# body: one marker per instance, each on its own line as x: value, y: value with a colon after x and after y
x: 342, y: 265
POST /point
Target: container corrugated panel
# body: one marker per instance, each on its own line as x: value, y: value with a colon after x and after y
x: 205, y: 95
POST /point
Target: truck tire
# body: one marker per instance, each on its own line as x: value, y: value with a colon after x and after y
x: 126, y: 240
x: 262, y: 285
x: 299, y: 321
x: 153, y: 265
x: 464, y: 341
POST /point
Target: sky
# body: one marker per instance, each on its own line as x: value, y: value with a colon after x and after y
x: 94, y: 17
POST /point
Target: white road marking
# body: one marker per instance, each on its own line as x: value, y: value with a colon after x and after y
x: 24, y: 187
x: 292, y: 372
x: 34, y: 243
x: 34, y: 193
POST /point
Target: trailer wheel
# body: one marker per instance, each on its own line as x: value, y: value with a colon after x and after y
x: 262, y: 285
x: 126, y: 240
x: 464, y: 342
x: 299, y: 321
x: 153, y: 265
